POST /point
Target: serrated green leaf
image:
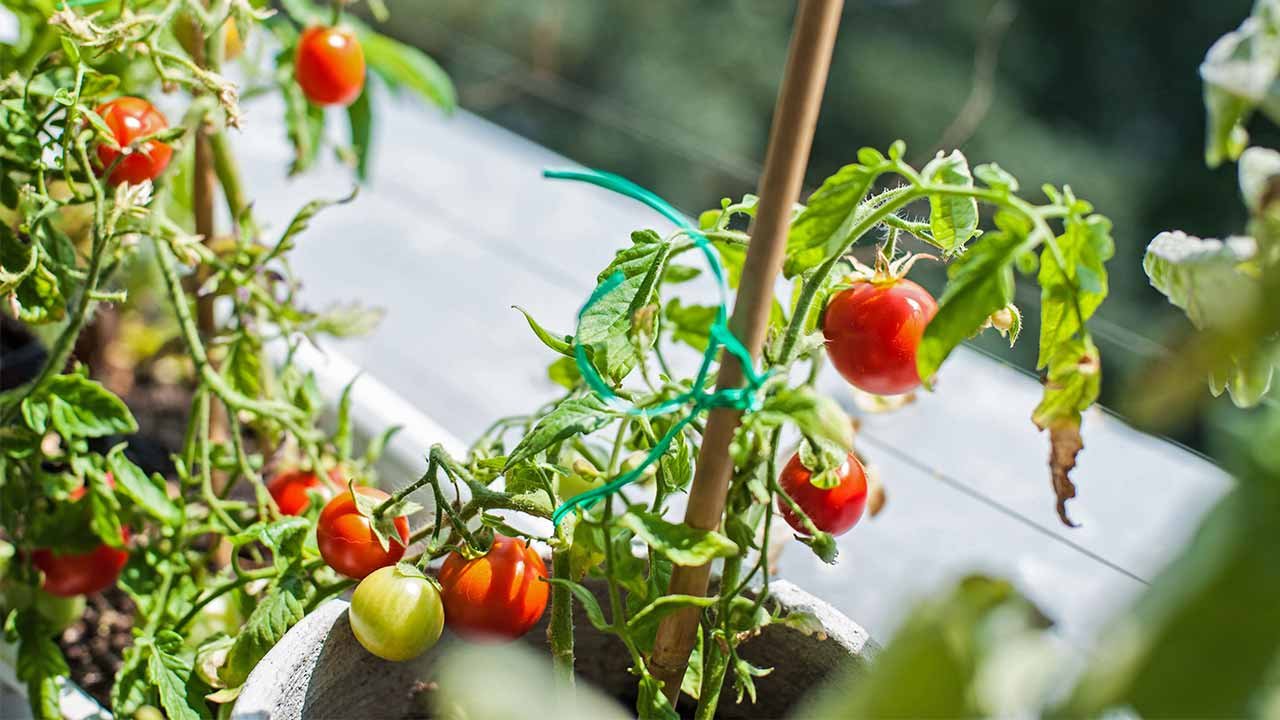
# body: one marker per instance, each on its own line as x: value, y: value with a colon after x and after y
x: 823, y: 226
x: 627, y: 285
x: 1070, y: 294
x: 40, y: 664
x: 953, y: 220
x: 690, y: 324
x: 814, y: 415
x: 80, y: 407
x: 575, y: 416
x: 279, y: 609
x: 979, y: 283
x: 679, y: 543
x: 1239, y: 73
x: 171, y: 676
x: 147, y: 494
x: 564, y: 372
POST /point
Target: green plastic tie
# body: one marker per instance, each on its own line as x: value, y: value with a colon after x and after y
x: 697, y: 399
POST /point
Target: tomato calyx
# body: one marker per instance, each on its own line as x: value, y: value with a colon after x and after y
x: 383, y: 513
x: 886, y: 272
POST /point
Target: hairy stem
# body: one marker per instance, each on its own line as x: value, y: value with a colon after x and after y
x: 560, y: 631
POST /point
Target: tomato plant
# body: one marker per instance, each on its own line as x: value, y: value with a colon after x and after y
x: 330, y: 65
x: 872, y: 332
x: 347, y: 540
x: 396, y: 613
x: 111, y: 208
x: 132, y: 122
x: 501, y: 594
x: 833, y: 507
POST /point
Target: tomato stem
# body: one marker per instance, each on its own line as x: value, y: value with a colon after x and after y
x: 560, y: 630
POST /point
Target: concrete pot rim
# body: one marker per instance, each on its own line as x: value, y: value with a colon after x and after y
x: 278, y: 687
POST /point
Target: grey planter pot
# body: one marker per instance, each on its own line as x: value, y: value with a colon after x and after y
x: 319, y: 670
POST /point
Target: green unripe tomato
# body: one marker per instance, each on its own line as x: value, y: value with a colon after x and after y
x: 396, y: 613
x: 573, y: 484
x: 148, y: 712
x: 61, y: 612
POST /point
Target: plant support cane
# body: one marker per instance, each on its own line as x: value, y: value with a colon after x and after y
x: 791, y: 136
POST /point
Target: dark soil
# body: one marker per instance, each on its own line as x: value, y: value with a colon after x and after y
x: 94, y: 645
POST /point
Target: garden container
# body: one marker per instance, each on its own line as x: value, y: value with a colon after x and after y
x: 319, y: 670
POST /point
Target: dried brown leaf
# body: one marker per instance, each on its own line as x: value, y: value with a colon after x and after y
x: 1065, y: 443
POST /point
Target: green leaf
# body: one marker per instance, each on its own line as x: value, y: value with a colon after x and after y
x: 302, y: 218
x: 627, y: 285
x: 562, y: 344
x: 564, y: 372
x: 171, y: 676
x: 1070, y: 292
x: 403, y: 66
x: 40, y: 664
x: 284, y: 538
x: 690, y: 324
x: 1074, y: 380
x: 953, y: 220
x: 80, y: 407
x: 360, y: 121
x: 1209, y: 279
x: 575, y: 416
x: 675, y: 467
x: 243, y: 366
x: 104, y: 510
x: 651, y: 703
x: 148, y: 494
x: 824, y: 225
x: 679, y: 543
x: 979, y: 283
x: 276, y: 612
x: 342, y: 432
x: 586, y: 599
x: 996, y: 177
x: 646, y: 621
x: 131, y: 689
x: 814, y: 415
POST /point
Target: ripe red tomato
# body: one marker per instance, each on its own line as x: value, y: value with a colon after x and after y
x: 329, y: 66
x: 498, y: 596
x: 834, y: 511
x: 346, y: 538
x: 873, y: 330
x: 129, y: 119
x: 71, y: 574
x: 289, y: 489
x: 396, y: 616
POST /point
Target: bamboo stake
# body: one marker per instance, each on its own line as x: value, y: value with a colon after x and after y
x: 790, y: 138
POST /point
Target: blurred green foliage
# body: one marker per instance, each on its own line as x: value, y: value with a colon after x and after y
x: 1100, y: 94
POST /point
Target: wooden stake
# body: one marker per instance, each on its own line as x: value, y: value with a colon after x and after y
x: 790, y: 138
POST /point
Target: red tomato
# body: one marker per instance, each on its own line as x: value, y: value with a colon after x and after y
x: 873, y: 330
x: 66, y: 575
x: 70, y: 574
x: 498, y: 596
x: 329, y: 66
x: 346, y: 538
x: 289, y: 489
x: 834, y: 511
x: 129, y: 119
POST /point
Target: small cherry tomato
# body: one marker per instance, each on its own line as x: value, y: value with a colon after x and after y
x: 68, y: 574
x: 290, y: 490
x: 329, y: 66
x: 498, y: 596
x: 396, y: 615
x: 835, y: 510
x: 872, y: 331
x: 346, y: 538
x: 129, y: 119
